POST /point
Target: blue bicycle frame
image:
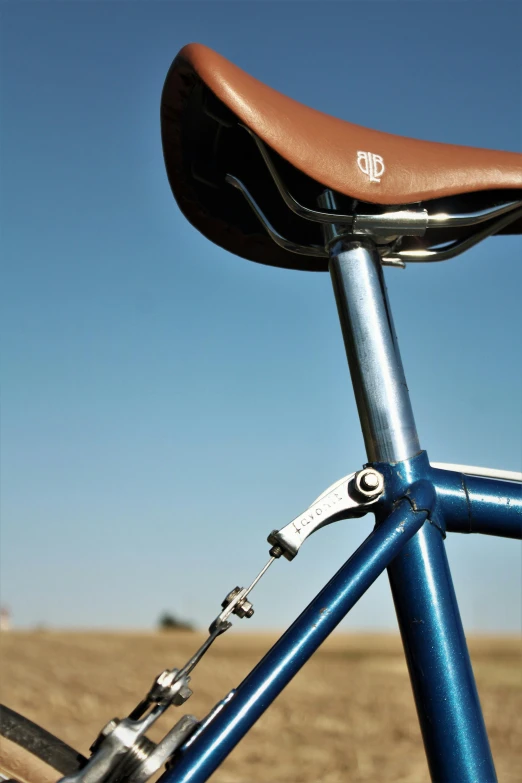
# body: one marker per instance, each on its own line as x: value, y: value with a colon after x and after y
x: 419, y: 506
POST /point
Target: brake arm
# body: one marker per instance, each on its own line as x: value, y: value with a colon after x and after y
x: 351, y: 496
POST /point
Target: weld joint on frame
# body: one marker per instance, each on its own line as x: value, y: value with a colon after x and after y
x: 423, y: 507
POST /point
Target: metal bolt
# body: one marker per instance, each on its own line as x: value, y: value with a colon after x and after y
x: 162, y: 684
x: 167, y: 687
x: 369, y: 483
x: 243, y: 608
x: 277, y: 550
x: 107, y: 729
x: 181, y: 696
x: 230, y: 597
x: 166, y: 678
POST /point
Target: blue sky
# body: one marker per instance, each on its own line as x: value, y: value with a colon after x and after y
x: 166, y: 404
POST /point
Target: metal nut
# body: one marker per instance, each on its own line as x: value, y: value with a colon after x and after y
x: 166, y: 678
x: 277, y: 549
x: 107, y: 729
x: 230, y: 597
x: 243, y: 608
x: 182, y: 696
x: 369, y: 483
x: 167, y: 687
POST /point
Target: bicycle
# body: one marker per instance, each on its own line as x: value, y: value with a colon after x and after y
x: 378, y: 200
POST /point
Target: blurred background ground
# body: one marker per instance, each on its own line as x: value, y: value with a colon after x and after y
x: 348, y: 715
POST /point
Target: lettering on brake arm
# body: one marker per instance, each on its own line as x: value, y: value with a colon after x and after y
x: 330, y: 501
x: 371, y: 164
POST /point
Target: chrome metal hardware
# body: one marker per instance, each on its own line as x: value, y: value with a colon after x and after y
x: 369, y: 483
x: 235, y: 602
x: 242, y: 609
x: 455, y: 248
x: 388, y: 225
x: 304, y: 250
x: 164, y: 750
x: 443, y: 220
x: 121, y: 747
x: 166, y: 689
x: 342, y: 500
x: 287, y: 244
x: 405, y: 222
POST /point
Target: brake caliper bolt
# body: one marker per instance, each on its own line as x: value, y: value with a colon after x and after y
x: 369, y: 483
x: 181, y: 697
x: 107, y: 729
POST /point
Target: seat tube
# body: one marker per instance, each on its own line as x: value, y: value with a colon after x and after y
x: 445, y: 693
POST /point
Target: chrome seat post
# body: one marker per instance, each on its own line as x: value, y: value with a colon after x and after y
x: 382, y: 396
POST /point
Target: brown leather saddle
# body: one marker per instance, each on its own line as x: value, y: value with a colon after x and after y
x: 212, y: 114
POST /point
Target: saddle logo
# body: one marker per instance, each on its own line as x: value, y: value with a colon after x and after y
x: 371, y: 164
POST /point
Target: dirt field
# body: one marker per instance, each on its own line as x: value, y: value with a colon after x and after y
x: 347, y: 716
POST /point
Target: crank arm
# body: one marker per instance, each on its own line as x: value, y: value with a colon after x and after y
x: 351, y: 496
